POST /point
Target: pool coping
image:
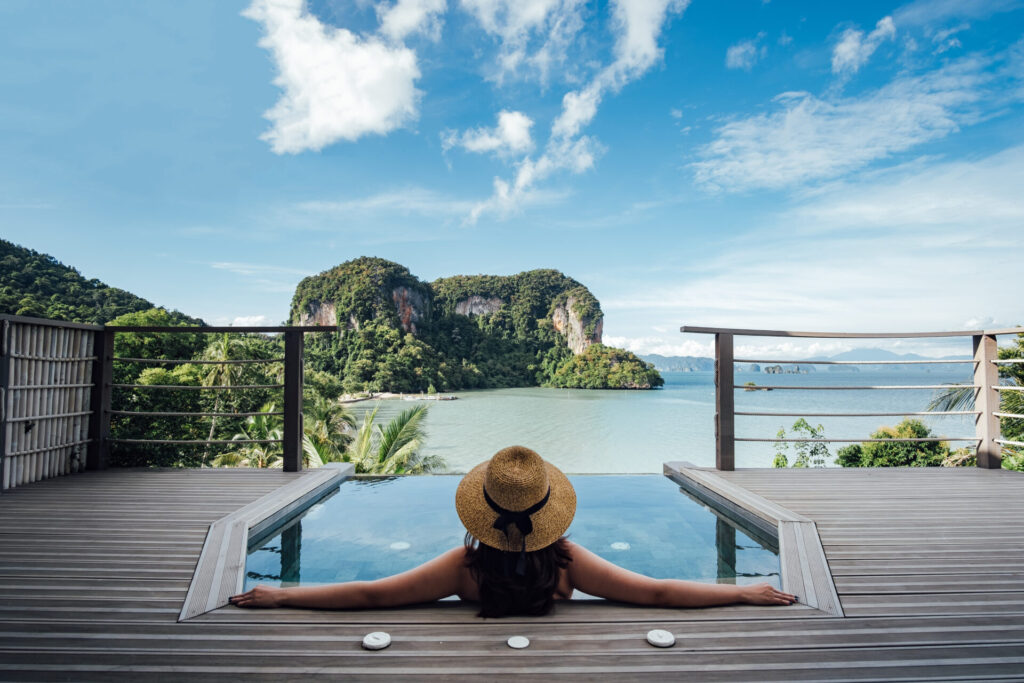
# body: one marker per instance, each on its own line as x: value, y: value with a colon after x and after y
x: 220, y: 571
x: 802, y: 558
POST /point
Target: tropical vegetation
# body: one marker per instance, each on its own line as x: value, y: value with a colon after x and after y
x: 811, y: 453
x: 961, y: 397
x: 400, y: 334
x: 602, y: 367
x: 887, y: 452
x: 40, y: 286
x: 245, y: 426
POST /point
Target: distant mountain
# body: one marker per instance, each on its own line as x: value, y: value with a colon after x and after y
x: 870, y: 354
x: 701, y: 364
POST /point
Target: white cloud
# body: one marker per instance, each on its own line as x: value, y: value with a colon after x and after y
x: 950, y: 194
x: 510, y: 136
x: 410, y: 200
x: 256, y: 269
x: 744, y: 54
x: 945, y: 40
x: 927, y: 239
x: 252, y: 321
x: 854, y: 49
x: 337, y: 85
x: 264, y: 277
x: 807, y: 138
x: 406, y: 17
x: 664, y: 346
x: 533, y: 35
x: 931, y: 12
x: 638, y: 25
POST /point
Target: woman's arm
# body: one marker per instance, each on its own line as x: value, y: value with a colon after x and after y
x: 599, y: 577
x: 430, y: 581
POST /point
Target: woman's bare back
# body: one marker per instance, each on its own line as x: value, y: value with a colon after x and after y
x: 448, y: 575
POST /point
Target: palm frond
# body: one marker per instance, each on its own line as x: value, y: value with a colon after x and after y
x: 956, y: 397
x: 402, y: 431
x: 311, y: 454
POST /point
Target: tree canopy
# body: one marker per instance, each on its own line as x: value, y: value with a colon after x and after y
x: 471, y: 331
x: 40, y: 286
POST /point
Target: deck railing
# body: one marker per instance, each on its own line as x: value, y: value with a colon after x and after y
x: 47, y: 395
x: 985, y: 361
x: 56, y: 388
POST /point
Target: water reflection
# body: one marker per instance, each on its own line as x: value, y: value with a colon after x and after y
x: 291, y: 554
x: 725, y: 545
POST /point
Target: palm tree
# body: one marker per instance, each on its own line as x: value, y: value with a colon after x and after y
x: 223, y: 348
x: 961, y: 397
x: 393, y: 449
x: 327, y: 426
x: 264, y: 432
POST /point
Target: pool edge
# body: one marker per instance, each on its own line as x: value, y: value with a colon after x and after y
x: 802, y: 560
x: 220, y: 570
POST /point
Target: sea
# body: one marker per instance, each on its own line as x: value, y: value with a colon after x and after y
x: 617, y: 431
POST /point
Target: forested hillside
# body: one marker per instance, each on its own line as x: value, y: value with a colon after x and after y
x: 40, y: 286
x: 398, y: 333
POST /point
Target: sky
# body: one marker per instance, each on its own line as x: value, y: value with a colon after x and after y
x: 749, y: 164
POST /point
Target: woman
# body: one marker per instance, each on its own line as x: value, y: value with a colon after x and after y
x: 516, y: 509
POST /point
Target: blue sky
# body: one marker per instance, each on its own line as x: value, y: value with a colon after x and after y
x: 836, y: 166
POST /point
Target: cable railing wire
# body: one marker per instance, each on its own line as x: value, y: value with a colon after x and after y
x: 197, y: 387
x: 168, y: 361
x: 985, y: 362
x: 180, y: 414
x: 903, y: 414
x: 852, y: 362
x: 195, y: 442
x: 762, y: 387
x: 861, y: 440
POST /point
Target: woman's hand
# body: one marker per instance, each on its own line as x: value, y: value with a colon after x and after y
x: 766, y: 594
x: 260, y: 596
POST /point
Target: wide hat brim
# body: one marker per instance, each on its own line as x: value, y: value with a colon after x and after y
x: 549, y: 523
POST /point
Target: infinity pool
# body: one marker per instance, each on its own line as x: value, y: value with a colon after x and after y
x: 377, y: 526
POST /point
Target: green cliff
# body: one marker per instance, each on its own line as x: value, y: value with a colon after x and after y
x: 399, y: 333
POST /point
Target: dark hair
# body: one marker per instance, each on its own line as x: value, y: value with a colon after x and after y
x: 503, y: 592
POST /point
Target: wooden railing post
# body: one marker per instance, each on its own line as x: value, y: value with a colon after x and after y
x: 5, y: 382
x: 97, y: 456
x: 725, y: 419
x: 986, y: 401
x: 292, y: 434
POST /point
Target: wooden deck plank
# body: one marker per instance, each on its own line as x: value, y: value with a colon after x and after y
x: 930, y: 588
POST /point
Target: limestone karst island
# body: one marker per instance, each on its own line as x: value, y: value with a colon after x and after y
x: 398, y: 333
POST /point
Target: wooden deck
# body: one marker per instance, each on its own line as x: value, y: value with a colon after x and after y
x: 928, y: 565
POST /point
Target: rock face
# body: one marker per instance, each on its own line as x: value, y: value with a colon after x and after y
x: 568, y: 323
x: 319, y: 314
x: 411, y: 307
x: 478, y: 305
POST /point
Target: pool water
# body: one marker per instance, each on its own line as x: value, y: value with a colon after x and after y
x: 377, y: 526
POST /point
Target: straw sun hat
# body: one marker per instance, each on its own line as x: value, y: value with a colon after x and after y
x: 515, y: 501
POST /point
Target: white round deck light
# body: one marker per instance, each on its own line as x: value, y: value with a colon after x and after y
x: 661, y: 638
x: 518, y: 642
x: 620, y: 545
x: 400, y: 545
x: 378, y: 640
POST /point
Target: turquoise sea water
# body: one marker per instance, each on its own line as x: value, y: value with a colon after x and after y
x: 636, y: 431
x: 376, y: 527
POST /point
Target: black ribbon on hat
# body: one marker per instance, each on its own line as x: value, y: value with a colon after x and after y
x: 521, y: 518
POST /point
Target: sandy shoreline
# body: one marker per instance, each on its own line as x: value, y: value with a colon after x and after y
x: 388, y: 395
